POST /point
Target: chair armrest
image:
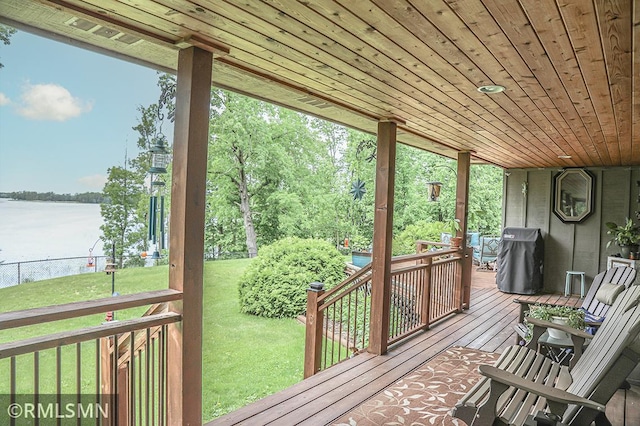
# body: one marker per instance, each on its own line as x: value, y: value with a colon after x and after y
x: 548, y: 392
x: 524, y: 307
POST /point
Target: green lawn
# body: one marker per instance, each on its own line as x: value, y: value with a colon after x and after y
x: 244, y: 357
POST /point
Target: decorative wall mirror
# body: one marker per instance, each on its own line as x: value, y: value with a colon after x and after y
x: 573, y: 195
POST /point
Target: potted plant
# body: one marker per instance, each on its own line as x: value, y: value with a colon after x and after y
x: 453, y: 226
x: 625, y: 236
x: 565, y: 315
x: 360, y: 251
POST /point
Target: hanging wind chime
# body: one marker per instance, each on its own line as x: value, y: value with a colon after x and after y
x: 159, y: 161
x: 160, y: 158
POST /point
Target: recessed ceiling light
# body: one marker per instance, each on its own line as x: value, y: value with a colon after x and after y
x: 491, y: 89
x: 565, y: 157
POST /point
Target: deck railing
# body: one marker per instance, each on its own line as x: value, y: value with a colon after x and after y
x: 135, y: 370
x: 126, y: 386
x: 425, y: 288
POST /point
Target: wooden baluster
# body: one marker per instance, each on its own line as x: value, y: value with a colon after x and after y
x: 425, y: 287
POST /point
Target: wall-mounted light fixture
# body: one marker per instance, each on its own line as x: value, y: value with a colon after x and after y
x: 433, y: 190
x: 434, y: 187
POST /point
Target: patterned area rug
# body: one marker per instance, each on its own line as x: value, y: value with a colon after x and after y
x: 425, y: 396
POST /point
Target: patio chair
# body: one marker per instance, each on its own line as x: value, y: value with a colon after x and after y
x: 487, y: 252
x: 593, y: 305
x: 523, y: 381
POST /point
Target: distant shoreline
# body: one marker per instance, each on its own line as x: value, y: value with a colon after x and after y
x: 84, y: 197
x: 50, y: 201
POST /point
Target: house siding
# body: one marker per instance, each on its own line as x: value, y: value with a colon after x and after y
x: 570, y: 246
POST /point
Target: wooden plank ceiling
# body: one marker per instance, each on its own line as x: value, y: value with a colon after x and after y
x: 571, y: 68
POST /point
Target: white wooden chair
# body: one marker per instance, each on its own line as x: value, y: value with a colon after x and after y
x: 595, y: 310
x: 524, y: 381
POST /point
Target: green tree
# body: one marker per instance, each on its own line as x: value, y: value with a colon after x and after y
x: 275, y: 173
x: 360, y: 163
x: 262, y: 160
x: 300, y: 205
x: 122, y: 222
x: 326, y: 186
x: 238, y: 136
x: 485, y: 199
x: 5, y: 36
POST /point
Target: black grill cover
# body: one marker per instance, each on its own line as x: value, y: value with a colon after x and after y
x: 520, y: 258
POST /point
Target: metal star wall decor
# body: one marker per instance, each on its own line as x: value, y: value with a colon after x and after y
x: 358, y: 190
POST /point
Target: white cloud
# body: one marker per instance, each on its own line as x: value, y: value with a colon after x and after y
x: 4, y: 100
x: 94, y: 182
x: 50, y: 102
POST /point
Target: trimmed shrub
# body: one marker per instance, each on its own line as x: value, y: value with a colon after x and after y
x: 405, y: 242
x: 275, y: 283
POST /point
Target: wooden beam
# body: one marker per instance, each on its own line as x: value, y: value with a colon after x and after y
x: 382, y: 237
x: 186, y: 243
x: 462, y: 209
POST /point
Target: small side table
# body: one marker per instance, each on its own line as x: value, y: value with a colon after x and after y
x: 567, y: 285
x: 530, y: 421
x: 557, y: 349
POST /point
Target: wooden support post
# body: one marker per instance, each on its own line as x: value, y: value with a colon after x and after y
x: 186, y: 249
x: 382, y: 238
x: 462, y: 209
x: 314, y: 332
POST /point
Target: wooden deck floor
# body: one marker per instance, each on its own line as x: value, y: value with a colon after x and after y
x: 487, y: 326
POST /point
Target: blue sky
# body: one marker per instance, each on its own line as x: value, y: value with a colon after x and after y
x: 66, y: 115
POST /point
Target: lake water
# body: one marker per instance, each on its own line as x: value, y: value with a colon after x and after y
x: 35, y: 230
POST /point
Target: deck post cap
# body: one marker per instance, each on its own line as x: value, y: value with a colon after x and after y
x: 316, y: 286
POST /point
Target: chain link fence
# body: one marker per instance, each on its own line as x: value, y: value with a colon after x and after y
x: 36, y: 270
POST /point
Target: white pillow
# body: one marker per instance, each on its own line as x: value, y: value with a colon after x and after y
x: 608, y: 292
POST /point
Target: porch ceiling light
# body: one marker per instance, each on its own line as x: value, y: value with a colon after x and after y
x: 491, y: 89
x: 564, y: 157
x: 159, y: 157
